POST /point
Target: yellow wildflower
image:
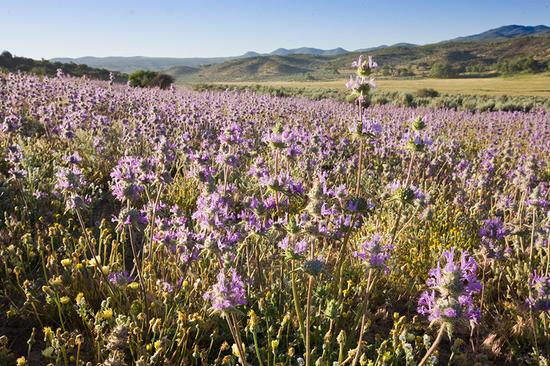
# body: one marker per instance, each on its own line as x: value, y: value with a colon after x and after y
x: 66, y: 262
x: 56, y: 281
x: 158, y: 344
x: 107, y: 314
x: 94, y: 262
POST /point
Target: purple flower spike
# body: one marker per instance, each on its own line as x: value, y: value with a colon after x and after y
x: 228, y: 292
x: 450, y: 297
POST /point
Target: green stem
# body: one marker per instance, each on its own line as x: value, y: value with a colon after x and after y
x: 308, y: 317
x: 296, y: 303
x: 363, y: 317
x: 257, y: 348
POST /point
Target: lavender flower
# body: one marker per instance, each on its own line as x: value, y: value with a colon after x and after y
x: 540, y: 293
x: 538, y: 197
x: 119, y: 278
x: 130, y: 217
x: 367, y: 128
x: 363, y: 82
x: 450, y: 297
x: 364, y: 67
x: 294, y: 245
x: 70, y: 180
x: 16, y: 160
x: 71, y: 183
x: 492, y: 237
x: 228, y: 292
x: 127, y: 183
x: 374, y: 253
x: 407, y: 195
x: 416, y: 141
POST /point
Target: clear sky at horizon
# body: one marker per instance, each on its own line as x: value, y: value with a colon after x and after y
x: 207, y: 28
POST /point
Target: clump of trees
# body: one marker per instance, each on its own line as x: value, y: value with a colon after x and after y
x: 11, y: 63
x: 150, y: 79
x: 523, y: 64
x: 443, y: 70
x: 389, y: 70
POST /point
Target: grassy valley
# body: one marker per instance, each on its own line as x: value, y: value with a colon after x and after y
x: 468, y: 59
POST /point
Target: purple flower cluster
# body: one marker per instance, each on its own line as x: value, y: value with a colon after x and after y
x: 363, y: 82
x: 228, y: 292
x: 294, y: 245
x: 119, y: 278
x: 285, y: 140
x: 367, y: 127
x: 172, y: 232
x: 375, y: 253
x: 409, y: 195
x: 331, y: 211
x: 283, y: 182
x: 71, y: 182
x: 492, y: 234
x: 201, y: 167
x: 129, y: 216
x: 540, y: 293
x: 539, y: 197
x: 450, y: 297
x: 217, y: 218
x: 256, y: 216
x: 15, y: 158
x: 416, y: 141
x: 132, y: 174
x: 11, y: 123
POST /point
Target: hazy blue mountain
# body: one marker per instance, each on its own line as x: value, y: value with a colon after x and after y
x: 507, y: 31
x: 308, y: 51
x: 251, y: 54
x: 192, y: 65
x: 129, y: 64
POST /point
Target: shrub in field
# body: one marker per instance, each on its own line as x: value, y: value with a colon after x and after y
x: 453, y: 101
x: 147, y: 79
x: 408, y: 100
x: 152, y: 227
x: 141, y: 78
x: 427, y: 93
x: 161, y: 81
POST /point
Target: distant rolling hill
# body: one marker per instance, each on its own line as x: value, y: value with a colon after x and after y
x: 252, y: 68
x: 506, y: 32
x: 12, y: 63
x: 415, y: 59
x: 370, y: 49
x: 308, y: 51
x: 129, y: 64
x: 307, y: 63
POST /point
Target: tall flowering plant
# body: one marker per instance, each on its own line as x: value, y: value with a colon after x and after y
x: 449, y: 299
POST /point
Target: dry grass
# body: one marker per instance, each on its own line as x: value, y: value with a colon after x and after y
x: 530, y: 85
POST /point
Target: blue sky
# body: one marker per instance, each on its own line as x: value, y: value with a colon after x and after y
x: 187, y: 28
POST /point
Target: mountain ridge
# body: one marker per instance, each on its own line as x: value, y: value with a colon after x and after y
x: 506, y: 32
x: 251, y: 62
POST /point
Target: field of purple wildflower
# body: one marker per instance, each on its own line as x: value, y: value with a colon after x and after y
x: 151, y: 227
